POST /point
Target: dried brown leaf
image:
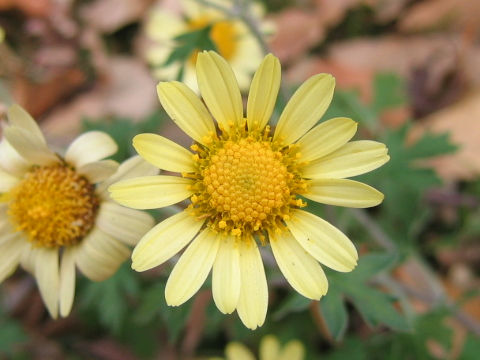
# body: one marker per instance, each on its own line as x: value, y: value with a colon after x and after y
x: 461, y: 121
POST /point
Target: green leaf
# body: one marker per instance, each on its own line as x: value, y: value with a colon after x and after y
x: 149, y: 308
x: 471, y: 348
x: 153, y: 308
x: 109, y: 298
x: 389, y: 92
x: 430, y: 145
x: 372, y: 264
x: 11, y: 336
x: 190, y: 42
x: 348, y: 104
x: 335, y: 313
x: 377, y: 308
x: 405, y: 178
x: 352, y: 349
x: 292, y: 304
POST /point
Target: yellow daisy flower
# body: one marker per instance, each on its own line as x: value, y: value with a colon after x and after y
x: 246, y: 183
x: 232, y: 38
x: 270, y: 349
x: 55, y: 212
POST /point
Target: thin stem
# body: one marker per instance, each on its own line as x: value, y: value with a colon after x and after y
x: 375, y: 231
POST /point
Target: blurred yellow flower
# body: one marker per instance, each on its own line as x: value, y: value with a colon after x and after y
x: 270, y: 349
x: 246, y: 184
x: 231, y: 37
x: 55, y: 212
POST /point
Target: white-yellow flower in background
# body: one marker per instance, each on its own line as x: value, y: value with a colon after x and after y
x: 55, y: 212
x: 232, y: 38
x: 246, y: 185
x: 270, y: 349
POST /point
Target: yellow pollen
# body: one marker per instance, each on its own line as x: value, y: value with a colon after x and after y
x: 54, y: 206
x: 245, y: 183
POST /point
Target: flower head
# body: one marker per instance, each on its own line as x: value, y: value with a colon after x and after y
x: 229, y: 35
x: 247, y: 185
x: 270, y: 349
x: 55, y: 213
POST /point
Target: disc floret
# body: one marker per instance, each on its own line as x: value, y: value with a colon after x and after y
x: 246, y: 183
x: 54, y: 206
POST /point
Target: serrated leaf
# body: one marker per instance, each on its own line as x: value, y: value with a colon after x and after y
x: 372, y: 264
x: 389, y: 92
x: 190, y: 42
x: 430, y: 145
x: 377, y: 308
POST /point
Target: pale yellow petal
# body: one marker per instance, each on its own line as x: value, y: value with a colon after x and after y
x: 11, y: 160
x: 48, y: 278
x: 98, y: 255
x: 352, y: 159
x: 323, y: 241
x: 163, y: 25
x: 165, y: 240
x: 130, y: 168
x: 263, y: 92
x: 11, y: 248
x: 67, y: 281
x: 124, y: 224
x: 305, y: 108
x: 293, y: 350
x: 151, y: 192
x: 300, y: 269
x: 18, y: 117
x: 192, y: 268
x: 186, y: 110
x: 30, y: 147
x: 343, y: 192
x: 219, y: 89
x: 326, y: 138
x: 253, y: 300
x: 7, y: 181
x: 164, y: 153
x: 98, y: 171
x: 226, y: 275
x: 5, y: 224
x: 90, y: 147
x: 27, y: 258
x: 269, y: 348
x: 238, y: 351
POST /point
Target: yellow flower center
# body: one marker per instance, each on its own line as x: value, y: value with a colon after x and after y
x: 222, y: 34
x: 54, y: 206
x: 246, y: 184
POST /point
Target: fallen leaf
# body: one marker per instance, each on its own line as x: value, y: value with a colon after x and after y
x: 37, y: 98
x: 431, y: 14
x: 125, y: 89
x: 296, y: 32
x: 461, y: 121
x: 110, y: 15
x: 346, y: 77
